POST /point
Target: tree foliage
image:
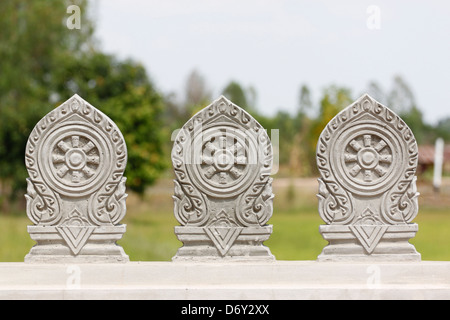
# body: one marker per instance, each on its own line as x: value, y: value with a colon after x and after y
x: 197, y: 94
x: 401, y: 99
x: 32, y: 36
x: 245, y: 98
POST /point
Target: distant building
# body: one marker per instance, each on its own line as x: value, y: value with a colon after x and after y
x: 426, y: 158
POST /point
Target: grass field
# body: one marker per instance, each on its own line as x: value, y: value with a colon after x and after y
x: 150, y: 224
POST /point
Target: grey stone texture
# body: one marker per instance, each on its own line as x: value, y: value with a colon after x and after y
x: 75, y: 158
x: 275, y: 280
x: 222, y: 159
x: 367, y: 159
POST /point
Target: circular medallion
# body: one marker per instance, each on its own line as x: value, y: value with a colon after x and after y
x: 366, y: 158
x: 223, y: 161
x: 76, y: 159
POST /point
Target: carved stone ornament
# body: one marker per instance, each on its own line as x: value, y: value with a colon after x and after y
x: 75, y: 158
x: 367, y: 158
x: 222, y: 159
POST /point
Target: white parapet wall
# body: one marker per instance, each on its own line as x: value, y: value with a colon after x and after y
x: 287, y: 280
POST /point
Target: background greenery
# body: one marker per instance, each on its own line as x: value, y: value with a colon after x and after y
x: 43, y: 63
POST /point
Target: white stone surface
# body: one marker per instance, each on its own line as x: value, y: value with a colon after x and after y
x: 275, y: 280
x: 75, y: 158
x: 367, y: 158
x: 222, y: 159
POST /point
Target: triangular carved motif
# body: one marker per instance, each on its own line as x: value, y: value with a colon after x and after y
x: 368, y: 235
x: 222, y: 119
x: 223, y: 237
x: 368, y: 230
x: 75, y: 236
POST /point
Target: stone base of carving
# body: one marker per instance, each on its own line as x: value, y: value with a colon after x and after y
x: 223, y: 243
x: 72, y: 245
x: 369, y: 243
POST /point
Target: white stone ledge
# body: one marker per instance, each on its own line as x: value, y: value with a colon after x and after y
x: 288, y: 280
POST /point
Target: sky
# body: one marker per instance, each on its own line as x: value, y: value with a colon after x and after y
x: 276, y: 46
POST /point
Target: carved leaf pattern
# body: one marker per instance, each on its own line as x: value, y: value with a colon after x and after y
x: 334, y: 203
x: 42, y: 207
x: 399, y: 204
x: 42, y: 201
x: 189, y: 207
x: 110, y: 209
x: 254, y: 205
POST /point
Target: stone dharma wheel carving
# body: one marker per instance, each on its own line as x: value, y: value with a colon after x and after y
x: 367, y: 158
x: 76, y: 160
x: 222, y: 160
x: 223, y: 168
x: 76, y: 157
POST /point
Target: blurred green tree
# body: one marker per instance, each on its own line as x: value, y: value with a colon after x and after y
x: 402, y: 100
x: 32, y: 35
x: 245, y: 98
x: 375, y: 90
x: 334, y: 100
x: 443, y: 129
x: 299, y: 163
x: 414, y: 119
x: 304, y: 101
x: 284, y: 122
x: 197, y: 95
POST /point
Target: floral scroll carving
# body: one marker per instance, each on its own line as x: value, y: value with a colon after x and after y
x: 222, y: 159
x: 367, y: 159
x: 75, y: 157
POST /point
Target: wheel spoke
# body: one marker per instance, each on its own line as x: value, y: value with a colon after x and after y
x: 88, y: 172
x: 367, y: 140
x: 211, y: 148
x: 223, y: 178
x: 93, y: 159
x: 62, y: 171
x: 88, y: 147
x: 57, y: 158
x: 210, y: 172
x: 355, y: 170
x: 75, y: 141
x: 222, y: 143
x: 235, y: 173
x: 76, y: 176
x: 355, y: 145
x: 380, y: 170
x: 368, y: 175
x: 240, y: 160
x: 350, y: 158
x: 380, y: 146
x: 207, y: 160
x: 63, y: 146
x: 386, y: 158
